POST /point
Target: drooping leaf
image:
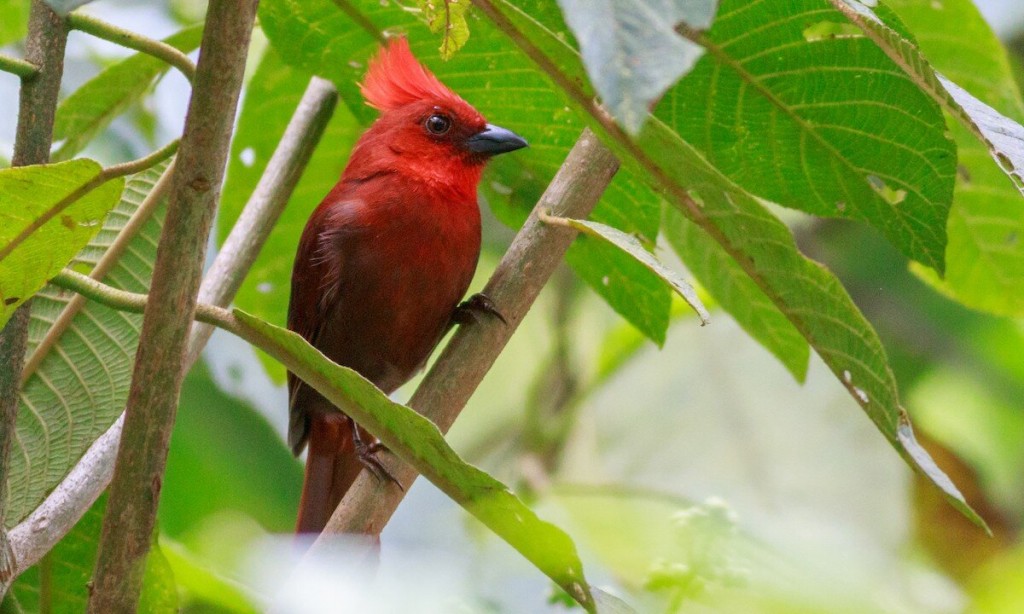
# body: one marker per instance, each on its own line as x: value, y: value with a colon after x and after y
x: 632, y: 51
x: 81, y: 385
x: 316, y: 36
x: 40, y: 232
x: 810, y: 297
x: 447, y: 18
x: 985, y: 255
x: 90, y: 108
x: 737, y: 293
x: 825, y: 124
x: 69, y: 569
x: 270, y: 101
x: 417, y: 441
x: 629, y: 245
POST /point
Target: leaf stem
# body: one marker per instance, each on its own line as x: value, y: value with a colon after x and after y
x: 25, y: 70
x: 44, y: 48
x: 132, y: 40
x: 105, y: 175
x: 159, y: 363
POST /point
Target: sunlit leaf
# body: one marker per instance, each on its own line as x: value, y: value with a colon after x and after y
x: 447, y: 18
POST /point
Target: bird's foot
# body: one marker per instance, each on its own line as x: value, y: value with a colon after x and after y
x: 467, y: 311
x: 367, y: 455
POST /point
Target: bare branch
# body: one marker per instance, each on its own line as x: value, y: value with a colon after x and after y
x: 44, y: 48
x: 62, y: 509
x: 529, y: 262
x: 158, y: 373
x: 21, y: 68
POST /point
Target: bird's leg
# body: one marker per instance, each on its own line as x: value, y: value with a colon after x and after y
x: 467, y: 311
x: 367, y: 454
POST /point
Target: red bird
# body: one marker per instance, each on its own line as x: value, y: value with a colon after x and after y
x: 385, y: 259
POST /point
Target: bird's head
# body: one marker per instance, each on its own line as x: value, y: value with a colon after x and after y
x: 425, y: 124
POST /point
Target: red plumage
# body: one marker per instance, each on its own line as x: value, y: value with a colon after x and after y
x: 385, y: 259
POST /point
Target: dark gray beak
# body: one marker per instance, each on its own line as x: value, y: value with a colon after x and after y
x: 495, y: 140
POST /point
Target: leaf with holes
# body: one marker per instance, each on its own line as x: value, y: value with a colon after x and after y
x: 823, y: 123
x: 91, y: 107
x: 81, y: 385
x: 316, y: 36
x: 985, y: 256
x: 632, y: 51
x: 41, y: 229
x: 447, y: 18
x: 807, y: 294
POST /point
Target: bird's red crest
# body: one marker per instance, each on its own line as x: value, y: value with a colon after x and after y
x: 396, y: 78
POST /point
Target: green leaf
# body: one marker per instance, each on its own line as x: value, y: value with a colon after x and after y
x: 447, y: 18
x: 985, y: 255
x: 40, y: 231
x: 737, y: 293
x: 81, y: 385
x: 90, y: 108
x: 828, y: 125
x: 67, y: 570
x: 206, y: 590
x: 632, y: 51
x: 273, y: 94
x: 810, y: 297
x: 316, y: 36
x: 13, y: 20
x: 418, y: 442
x: 629, y: 245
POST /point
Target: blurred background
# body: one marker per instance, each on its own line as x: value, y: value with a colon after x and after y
x: 695, y: 477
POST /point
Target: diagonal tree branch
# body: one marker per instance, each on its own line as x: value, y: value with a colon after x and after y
x: 131, y: 40
x: 156, y: 380
x: 528, y: 264
x: 47, y: 38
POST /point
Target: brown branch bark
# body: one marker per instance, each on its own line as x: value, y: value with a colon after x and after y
x: 529, y: 262
x: 156, y: 380
x: 37, y: 105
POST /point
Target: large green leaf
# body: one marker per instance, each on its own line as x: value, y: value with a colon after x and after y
x: 270, y: 100
x: 985, y: 256
x: 91, y: 107
x: 810, y: 297
x: 825, y: 124
x: 418, y: 442
x: 318, y: 37
x: 13, y: 20
x: 80, y: 387
x: 67, y: 570
x: 41, y: 229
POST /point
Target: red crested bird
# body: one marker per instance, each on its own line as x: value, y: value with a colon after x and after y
x: 385, y: 259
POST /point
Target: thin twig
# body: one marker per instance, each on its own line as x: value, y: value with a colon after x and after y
x: 132, y: 40
x: 68, y: 502
x: 44, y: 47
x: 156, y: 380
x: 25, y: 70
x: 105, y: 175
x: 106, y: 262
x: 529, y: 262
x: 268, y: 200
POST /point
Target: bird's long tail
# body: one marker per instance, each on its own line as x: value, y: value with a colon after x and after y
x: 332, y: 465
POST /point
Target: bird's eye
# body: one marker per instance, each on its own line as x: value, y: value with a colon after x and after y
x: 438, y: 124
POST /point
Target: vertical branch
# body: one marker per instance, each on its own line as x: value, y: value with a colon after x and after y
x: 529, y: 262
x: 156, y: 380
x: 37, y: 105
